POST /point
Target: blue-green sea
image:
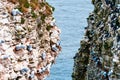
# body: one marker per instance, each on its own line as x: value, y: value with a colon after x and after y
x: 70, y: 17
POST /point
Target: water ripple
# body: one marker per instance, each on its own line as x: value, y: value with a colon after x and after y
x: 71, y: 17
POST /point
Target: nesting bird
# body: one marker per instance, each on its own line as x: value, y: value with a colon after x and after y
x: 16, y: 12
x: 20, y: 46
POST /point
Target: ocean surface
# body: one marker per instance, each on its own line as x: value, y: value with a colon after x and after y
x: 70, y: 17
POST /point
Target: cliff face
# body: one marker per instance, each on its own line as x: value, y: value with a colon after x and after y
x: 98, y: 58
x: 29, y: 39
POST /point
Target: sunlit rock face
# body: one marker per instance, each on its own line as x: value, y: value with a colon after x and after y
x: 98, y: 58
x: 29, y: 39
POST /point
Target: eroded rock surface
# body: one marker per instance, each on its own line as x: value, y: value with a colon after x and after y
x: 98, y: 58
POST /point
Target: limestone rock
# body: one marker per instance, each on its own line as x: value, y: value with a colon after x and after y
x: 24, y: 36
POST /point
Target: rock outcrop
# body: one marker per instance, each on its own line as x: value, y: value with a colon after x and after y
x: 29, y: 39
x: 98, y: 58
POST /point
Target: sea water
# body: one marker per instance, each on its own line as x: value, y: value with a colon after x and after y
x: 70, y: 17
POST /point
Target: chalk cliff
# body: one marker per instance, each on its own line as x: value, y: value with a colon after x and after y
x: 29, y: 39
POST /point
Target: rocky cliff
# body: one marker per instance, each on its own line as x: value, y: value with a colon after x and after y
x: 98, y: 57
x: 29, y: 39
